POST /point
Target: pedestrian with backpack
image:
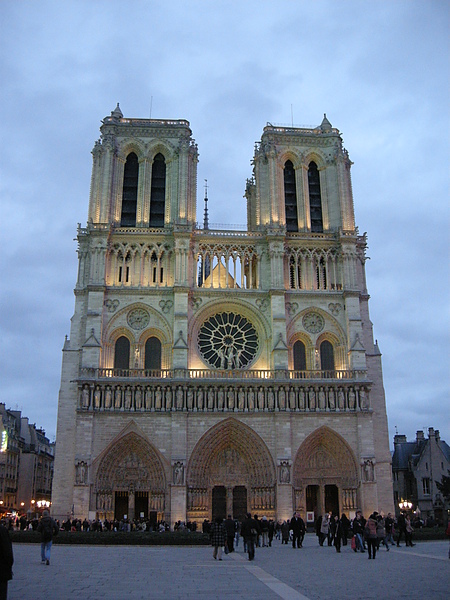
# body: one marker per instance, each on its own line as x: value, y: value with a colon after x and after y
x: 48, y: 529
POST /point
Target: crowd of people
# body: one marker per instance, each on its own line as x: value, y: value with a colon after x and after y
x: 364, y: 534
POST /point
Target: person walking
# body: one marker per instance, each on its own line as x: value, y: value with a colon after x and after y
x: 389, y: 526
x: 345, y: 526
x: 337, y: 529
x: 218, y: 537
x: 358, y: 525
x: 265, y: 532
x: 249, y: 531
x: 285, y: 532
x: 409, y: 530
x: 324, y: 529
x: 48, y: 529
x: 401, y: 524
x: 371, y: 535
x: 230, y: 527
x: 381, y: 532
x: 6, y: 561
x: 297, y: 526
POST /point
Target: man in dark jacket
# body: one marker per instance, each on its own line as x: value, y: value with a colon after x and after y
x: 47, y: 528
x: 230, y: 526
x: 297, y: 526
x: 6, y: 561
x: 249, y: 531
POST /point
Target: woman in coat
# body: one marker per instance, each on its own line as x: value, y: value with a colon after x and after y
x: 218, y: 537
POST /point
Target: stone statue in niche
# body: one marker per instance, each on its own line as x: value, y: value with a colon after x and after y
x: 368, y: 470
x: 85, y: 397
x: 322, y: 400
x: 108, y: 397
x: 331, y: 399
x: 200, y: 399
x: 292, y: 402
x: 178, y: 473
x: 179, y: 398
x: 251, y: 399
x: 138, y: 398
x: 363, y: 399
x: 118, y: 398
x: 168, y: 398
x: 281, y: 399
x: 230, y: 397
x: 285, y: 475
x: 312, y: 399
x: 341, y: 399
x: 190, y: 399
x: 241, y: 399
x: 220, y: 399
x: 97, y: 397
x: 351, y: 399
x: 158, y: 398
x: 210, y: 399
x: 81, y: 473
x: 127, y: 402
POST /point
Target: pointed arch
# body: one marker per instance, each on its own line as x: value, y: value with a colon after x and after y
x: 130, y: 191
x: 130, y: 461
x: 233, y: 440
x: 158, y: 191
x: 325, y: 456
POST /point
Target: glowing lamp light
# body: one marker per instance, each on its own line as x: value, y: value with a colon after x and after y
x: 4, y: 441
x: 405, y: 505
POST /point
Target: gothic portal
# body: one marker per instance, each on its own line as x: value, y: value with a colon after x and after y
x: 212, y: 372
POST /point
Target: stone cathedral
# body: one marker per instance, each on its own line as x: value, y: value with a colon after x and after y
x: 211, y: 371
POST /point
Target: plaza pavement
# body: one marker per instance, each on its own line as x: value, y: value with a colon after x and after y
x: 172, y: 573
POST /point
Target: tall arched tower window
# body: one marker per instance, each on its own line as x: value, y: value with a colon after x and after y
x: 122, y: 353
x: 299, y: 356
x: 315, y: 198
x: 290, y: 197
x: 130, y: 190
x: 152, y: 354
x: 326, y: 356
x: 158, y: 192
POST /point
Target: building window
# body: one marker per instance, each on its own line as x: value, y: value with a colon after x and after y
x: 130, y: 190
x: 122, y: 353
x: 152, y: 354
x: 426, y: 486
x: 299, y: 356
x: 158, y: 192
x: 315, y: 198
x: 290, y: 197
x: 326, y: 356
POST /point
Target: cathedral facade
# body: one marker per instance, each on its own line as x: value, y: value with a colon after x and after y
x: 212, y: 372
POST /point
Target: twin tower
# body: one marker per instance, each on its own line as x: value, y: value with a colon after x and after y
x: 212, y: 372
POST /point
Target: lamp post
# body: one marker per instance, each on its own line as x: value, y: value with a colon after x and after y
x: 405, y: 505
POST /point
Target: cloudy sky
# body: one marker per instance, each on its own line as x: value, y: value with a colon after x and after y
x: 378, y: 69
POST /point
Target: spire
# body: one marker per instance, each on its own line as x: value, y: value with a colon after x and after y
x: 117, y: 113
x: 205, y: 214
x: 325, y: 126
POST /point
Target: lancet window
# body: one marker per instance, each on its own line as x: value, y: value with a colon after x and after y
x: 122, y: 353
x: 290, y: 197
x: 315, y: 198
x: 130, y: 191
x: 299, y: 356
x: 138, y: 265
x: 152, y: 360
x: 158, y: 192
x: 314, y: 269
x: 326, y: 356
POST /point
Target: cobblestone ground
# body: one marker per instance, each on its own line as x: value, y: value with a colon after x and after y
x: 171, y: 573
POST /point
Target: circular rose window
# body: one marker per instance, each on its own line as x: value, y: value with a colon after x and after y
x: 228, y: 341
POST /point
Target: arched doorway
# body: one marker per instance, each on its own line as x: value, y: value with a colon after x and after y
x: 130, y: 481
x: 325, y: 474
x: 230, y: 472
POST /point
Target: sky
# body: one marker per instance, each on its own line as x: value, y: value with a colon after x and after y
x: 379, y: 70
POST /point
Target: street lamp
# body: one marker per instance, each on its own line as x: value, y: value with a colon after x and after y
x: 405, y: 505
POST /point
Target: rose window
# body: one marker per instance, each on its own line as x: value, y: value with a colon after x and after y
x: 228, y: 341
